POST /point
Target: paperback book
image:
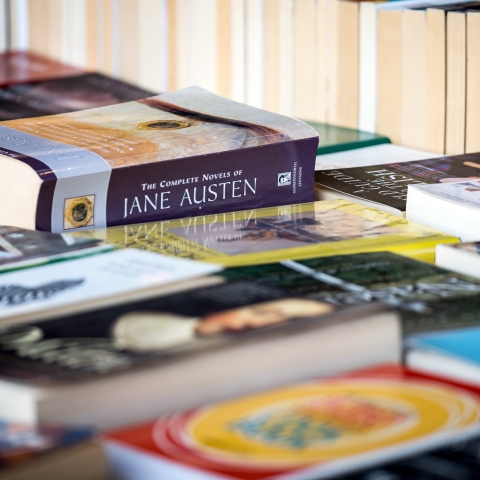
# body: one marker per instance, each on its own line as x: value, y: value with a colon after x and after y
x: 385, y: 186
x: 347, y: 422
x: 461, y: 257
x: 66, y: 94
x: 453, y: 207
x: 180, y: 154
x: 281, y: 233
x: 21, y: 248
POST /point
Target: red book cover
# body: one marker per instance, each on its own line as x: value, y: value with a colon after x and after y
x: 18, y: 67
x: 310, y: 430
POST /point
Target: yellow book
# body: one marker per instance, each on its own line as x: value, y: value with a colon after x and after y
x: 267, y: 235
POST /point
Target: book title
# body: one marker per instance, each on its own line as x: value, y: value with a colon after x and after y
x: 221, y: 186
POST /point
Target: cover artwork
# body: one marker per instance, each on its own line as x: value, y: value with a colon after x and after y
x: 429, y: 297
x: 121, y: 337
x: 67, y: 94
x: 310, y: 430
x: 388, y: 184
x: 273, y: 234
x: 126, y: 158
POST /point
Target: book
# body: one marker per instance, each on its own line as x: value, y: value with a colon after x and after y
x: 451, y: 207
x: 21, y: 66
x: 180, y: 154
x: 367, y: 156
x: 311, y: 430
x: 126, y: 363
x: 385, y: 186
x: 21, y: 248
x: 274, y: 234
x: 334, y: 139
x: 452, y: 355
x: 65, y: 94
x: 84, y: 283
x: 428, y: 298
x: 461, y: 257
x: 30, y: 453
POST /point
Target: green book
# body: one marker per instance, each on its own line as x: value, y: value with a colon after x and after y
x: 338, y: 139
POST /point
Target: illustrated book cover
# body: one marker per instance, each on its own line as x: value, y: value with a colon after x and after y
x: 24, y: 248
x: 308, y: 430
x: 180, y: 154
x: 385, y: 186
x: 282, y: 233
x: 427, y: 297
x: 66, y: 94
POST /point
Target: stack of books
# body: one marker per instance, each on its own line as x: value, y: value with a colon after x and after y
x: 193, y: 287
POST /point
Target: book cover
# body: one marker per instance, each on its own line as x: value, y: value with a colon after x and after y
x: 21, y: 248
x: 428, y: 297
x: 82, y: 282
x: 160, y: 329
x: 387, y: 184
x: 66, y: 94
x: 281, y: 233
x: 310, y: 430
x: 340, y: 139
x: 181, y: 154
x: 19, y: 67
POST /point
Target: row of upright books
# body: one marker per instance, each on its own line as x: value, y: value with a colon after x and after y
x: 174, y: 303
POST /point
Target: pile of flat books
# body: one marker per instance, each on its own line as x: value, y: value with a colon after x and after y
x: 195, y: 288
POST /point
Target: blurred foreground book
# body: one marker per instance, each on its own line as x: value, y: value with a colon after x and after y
x: 53, y: 453
x: 283, y: 233
x: 310, y: 430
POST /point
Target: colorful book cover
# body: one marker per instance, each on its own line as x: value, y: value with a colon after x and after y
x: 160, y: 328
x: 180, y: 154
x: 310, y: 430
x: 19, y: 67
x: 340, y: 139
x: 387, y: 184
x: 428, y: 297
x: 21, y: 248
x: 67, y: 94
x: 20, y: 443
x: 273, y: 234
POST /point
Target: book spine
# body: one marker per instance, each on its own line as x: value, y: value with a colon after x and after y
x: 256, y: 177
x: 81, y: 191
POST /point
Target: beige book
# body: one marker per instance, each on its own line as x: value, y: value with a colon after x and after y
x: 389, y: 74
x: 172, y: 45
x: 94, y: 36
x: 347, y: 63
x: 183, y: 43
x: 272, y: 55
x: 254, y: 59
x: 321, y: 60
x: 286, y: 57
x: 456, y: 79
x: 332, y: 74
x: 237, y: 66
x: 224, y: 46
x: 414, y: 79
x: 128, y: 38
x: 304, y: 67
x: 436, y: 80
x: 472, y: 133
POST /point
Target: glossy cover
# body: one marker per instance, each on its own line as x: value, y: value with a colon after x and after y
x: 184, y: 153
x: 273, y: 234
x: 388, y: 184
x: 428, y: 297
x: 66, y: 94
x: 306, y: 431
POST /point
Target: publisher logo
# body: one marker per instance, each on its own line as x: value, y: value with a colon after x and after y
x: 284, y: 179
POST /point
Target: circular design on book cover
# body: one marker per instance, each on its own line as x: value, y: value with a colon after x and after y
x: 318, y: 423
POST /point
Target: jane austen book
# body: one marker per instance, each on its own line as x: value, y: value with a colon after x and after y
x: 180, y: 154
x: 272, y: 234
x: 316, y: 429
x: 385, y: 186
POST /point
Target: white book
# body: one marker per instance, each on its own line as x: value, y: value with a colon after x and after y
x: 367, y: 156
x: 459, y: 257
x: 90, y: 282
x: 453, y: 207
